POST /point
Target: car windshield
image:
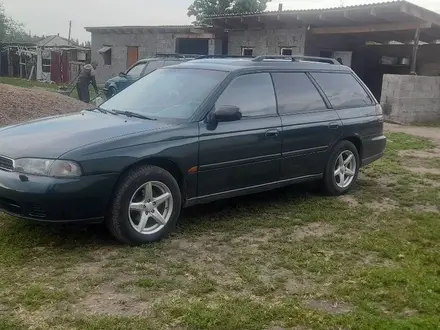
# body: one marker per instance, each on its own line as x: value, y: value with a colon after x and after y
x: 167, y: 93
x: 136, y: 70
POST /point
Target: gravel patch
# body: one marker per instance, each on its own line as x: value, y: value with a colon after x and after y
x: 21, y: 104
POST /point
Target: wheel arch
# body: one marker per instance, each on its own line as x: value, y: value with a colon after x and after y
x: 356, y: 140
x: 161, y: 162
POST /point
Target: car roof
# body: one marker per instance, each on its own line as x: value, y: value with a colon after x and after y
x: 152, y: 59
x: 234, y: 64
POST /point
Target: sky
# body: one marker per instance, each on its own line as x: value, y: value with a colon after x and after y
x: 52, y: 16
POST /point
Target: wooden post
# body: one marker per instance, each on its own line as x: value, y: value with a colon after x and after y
x: 10, y: 67
x: 21, y: 66
x: 414, y: 53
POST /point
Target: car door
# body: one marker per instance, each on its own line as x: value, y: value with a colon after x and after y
x: 243, y: 153
x: 310, y: 126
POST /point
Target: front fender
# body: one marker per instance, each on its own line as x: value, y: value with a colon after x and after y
x: 111, y: 85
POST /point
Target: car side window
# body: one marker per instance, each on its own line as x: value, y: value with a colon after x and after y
x: 153, y: 65
x: 168, y: 63
x: 296, y: 93
x: 342, y: 90
x: 136, y: 70
x: 252, y: 93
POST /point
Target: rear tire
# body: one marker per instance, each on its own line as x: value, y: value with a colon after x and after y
x: 342, y: 169
x: 145, y: 206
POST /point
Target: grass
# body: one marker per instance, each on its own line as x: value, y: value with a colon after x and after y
x: 434, y: 123
x: 24, y: 83
x: 290, y: 258
x: 27, y: 83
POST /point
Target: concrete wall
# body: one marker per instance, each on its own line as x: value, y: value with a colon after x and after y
x: 410, y: 99
x: 149, y: 44
x: 267, y: 41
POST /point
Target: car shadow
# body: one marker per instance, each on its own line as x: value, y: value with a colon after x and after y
x: 228, y: 209
x: 73, y: 236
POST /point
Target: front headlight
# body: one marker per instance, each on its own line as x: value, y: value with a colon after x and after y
x: 48, y: 167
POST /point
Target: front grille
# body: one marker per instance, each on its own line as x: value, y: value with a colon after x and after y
x: 6, y: 163
x: 37, y: 211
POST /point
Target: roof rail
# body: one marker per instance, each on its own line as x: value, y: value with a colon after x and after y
x: 166, y: 55
x: 296, y: 58
x: 223, y: 56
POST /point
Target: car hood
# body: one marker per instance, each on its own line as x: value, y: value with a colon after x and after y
x: 54, y: 136
x: 114, y: 80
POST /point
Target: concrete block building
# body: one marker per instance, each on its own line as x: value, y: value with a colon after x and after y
x: 394, y: 38
x: 117, y: 48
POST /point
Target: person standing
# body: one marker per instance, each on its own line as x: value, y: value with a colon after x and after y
x: 85, y: 78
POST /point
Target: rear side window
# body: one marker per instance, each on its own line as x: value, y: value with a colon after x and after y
x: 342, y: 90
x: 252, y: 93
x: 153, y: 65
x: 168, y: 63
x: 296, y: 93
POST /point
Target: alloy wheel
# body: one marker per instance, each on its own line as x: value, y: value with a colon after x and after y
x: 151, y: 207
x: 345, y: 169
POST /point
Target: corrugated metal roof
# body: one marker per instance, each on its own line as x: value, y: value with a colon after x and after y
x: 316, y: 10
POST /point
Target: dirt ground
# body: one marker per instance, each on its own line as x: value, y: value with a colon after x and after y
x: 22, y: 104
x: 432, y: 133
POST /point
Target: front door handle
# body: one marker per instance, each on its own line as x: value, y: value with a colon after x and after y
x: 272, y: 133
x: 333, y: 125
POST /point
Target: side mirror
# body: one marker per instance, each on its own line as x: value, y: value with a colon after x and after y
x: 122, y: 74
x: 227, y: 113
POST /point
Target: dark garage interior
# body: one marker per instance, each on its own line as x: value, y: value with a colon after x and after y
x: 192, y: 46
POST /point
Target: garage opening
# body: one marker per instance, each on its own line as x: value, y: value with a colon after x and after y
x: 192, y: 46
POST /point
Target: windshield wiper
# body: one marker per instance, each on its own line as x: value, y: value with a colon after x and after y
x: 132, y: 114
x: 99, y: 109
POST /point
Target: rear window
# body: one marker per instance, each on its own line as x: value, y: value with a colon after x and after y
x: 296, y: 93
x: 342, y: 90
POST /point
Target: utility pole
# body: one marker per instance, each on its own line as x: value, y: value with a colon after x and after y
x: 341, y: 4
x: 70, y: 30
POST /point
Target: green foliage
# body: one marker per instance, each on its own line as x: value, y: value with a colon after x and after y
x: 11, y: 30
x: 203, y: 8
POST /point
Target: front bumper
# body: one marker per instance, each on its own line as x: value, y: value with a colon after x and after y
x: 83, y: 199
x: 107, y: 92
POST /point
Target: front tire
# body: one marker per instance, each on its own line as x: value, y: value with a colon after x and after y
x: 111, y: 92
x: 145, y: 206
x: 342, y: 169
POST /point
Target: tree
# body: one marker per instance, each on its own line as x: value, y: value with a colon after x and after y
x: 203, y: 8
x: 11, y: 30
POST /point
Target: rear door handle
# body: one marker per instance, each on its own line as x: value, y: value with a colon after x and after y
x: 333, y: 125
x: 272, y: 133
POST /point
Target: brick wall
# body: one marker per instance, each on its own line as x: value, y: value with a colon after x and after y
x: 410, y: 99
x: 267, y: 41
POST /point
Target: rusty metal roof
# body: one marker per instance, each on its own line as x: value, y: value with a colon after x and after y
x: 379, y: 21
x: 324, y: 9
